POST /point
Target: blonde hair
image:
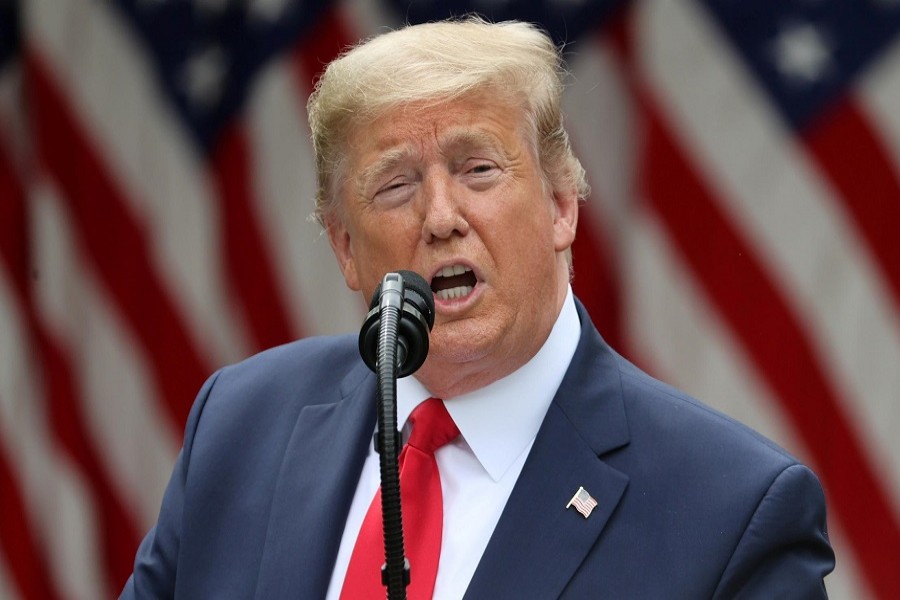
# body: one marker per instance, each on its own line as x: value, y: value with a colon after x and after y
x: 434, y: 63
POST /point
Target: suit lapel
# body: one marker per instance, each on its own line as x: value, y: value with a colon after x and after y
x: 538, y: 543
x: 316, y: 484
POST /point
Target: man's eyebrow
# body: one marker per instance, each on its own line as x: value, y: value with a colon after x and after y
x: 385, y: 162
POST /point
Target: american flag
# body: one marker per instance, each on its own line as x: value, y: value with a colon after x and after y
x: 741, y: 241
x: 583, y: 502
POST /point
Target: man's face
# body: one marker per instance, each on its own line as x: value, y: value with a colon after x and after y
x: 454, y: 193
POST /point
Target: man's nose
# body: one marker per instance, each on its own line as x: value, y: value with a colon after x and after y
x: 443, y: 215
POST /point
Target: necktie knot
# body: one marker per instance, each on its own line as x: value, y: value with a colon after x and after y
x: 433, y: 426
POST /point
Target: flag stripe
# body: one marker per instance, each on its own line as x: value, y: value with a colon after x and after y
x: 869, y: 186
x: 285, y: 188
x: 246, y: 256
x: 116, y: 244
x: 751, y: 305
x: 319, y: 47
x: 7, y: 591
x: 118, y: 533
x: 18, y: 542
x: 597, y: 282
x: 877, y: 96
x: 600, y: 125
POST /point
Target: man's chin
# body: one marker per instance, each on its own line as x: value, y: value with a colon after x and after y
x: 459, y: 347
x: 449, y: 354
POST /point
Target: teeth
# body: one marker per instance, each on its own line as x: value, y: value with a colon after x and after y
x: 453, y: 270
x: 456, y: 292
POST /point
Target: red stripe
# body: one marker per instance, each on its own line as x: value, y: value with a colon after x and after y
x: 596, y: 282
x: 22, y: 553
x: 119, y: 538
x: 247, y: 260
x: 116, y: 244
x: 319, y: 47
x: 852, y: 158
x: 733, y: 277
x: 19, y: 547
x: 13, y: 231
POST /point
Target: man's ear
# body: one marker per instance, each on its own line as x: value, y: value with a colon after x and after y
x: 565, y: 220
x: 339, y: 237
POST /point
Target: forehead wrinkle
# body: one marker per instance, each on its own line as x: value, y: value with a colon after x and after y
x: 469, y: 139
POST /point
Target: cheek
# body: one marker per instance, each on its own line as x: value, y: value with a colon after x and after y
x: 525, y: 227
x: 384, y: 245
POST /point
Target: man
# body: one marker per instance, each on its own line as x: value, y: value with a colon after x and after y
x: 440, y: 149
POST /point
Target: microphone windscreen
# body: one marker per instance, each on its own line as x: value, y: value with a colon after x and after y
x: 422, y: 296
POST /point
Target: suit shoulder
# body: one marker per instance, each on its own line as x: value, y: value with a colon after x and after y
x: 303, y: 372
x: 661, y: 411
x: 307, y: 357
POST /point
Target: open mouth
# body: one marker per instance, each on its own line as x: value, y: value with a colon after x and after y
x: 456, y: 281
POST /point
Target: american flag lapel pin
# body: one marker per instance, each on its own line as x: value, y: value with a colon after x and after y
x: 583, y: 502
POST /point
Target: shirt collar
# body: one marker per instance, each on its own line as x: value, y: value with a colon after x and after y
x: 499, y: 421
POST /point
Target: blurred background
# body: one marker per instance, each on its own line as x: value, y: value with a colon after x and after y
x: 742, y: 240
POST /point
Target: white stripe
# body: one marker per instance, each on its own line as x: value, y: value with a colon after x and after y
x: 124, y: 417
x: 71, y: 529
x: 53, y: 493
x: 846, y: 581
x: 283, y: 161
x: 14, y: 369
x: 365, y: 19
x: 7, y: 590
x: 601, y: 123
x: 879, y: 93
x: 792, y: 219
x: 111, y: 84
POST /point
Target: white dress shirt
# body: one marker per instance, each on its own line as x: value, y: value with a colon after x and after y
x: 498, y: 424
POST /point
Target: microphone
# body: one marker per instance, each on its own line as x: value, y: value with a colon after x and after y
x: 408, y: 293
x: 393, y: 342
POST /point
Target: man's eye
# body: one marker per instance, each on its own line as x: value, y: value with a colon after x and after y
x: 393, y: 185
x: 394, y: 192
x: 481, y: 168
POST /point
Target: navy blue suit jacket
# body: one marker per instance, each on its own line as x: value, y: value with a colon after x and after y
x: 691, y: 504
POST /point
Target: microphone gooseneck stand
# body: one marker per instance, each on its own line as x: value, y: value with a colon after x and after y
x: 395, y: 572
x: 402, y: 313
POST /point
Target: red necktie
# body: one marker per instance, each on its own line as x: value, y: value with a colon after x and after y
x: 423, y: 512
